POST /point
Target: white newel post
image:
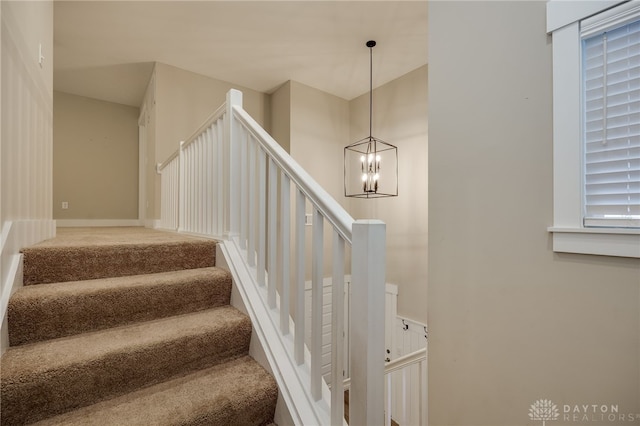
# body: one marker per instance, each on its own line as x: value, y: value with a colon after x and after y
x: 232, y: 152
x: 368, y: 269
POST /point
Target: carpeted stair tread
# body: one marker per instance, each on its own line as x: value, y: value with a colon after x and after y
x: 51, y: 377
x: 41, y: 312
x: 238, y: 392
x: 44, y: 264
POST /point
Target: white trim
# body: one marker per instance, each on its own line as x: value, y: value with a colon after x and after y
x: 84, y: 223
x: 16, y: 235
x: 282, y: 416
x: 562, y: 12
x: 599, y: 241
x: 569, y: 235
x: 617, y: 17
x: 13, y: 282
x: 567, y: 147
x: 290, y: 378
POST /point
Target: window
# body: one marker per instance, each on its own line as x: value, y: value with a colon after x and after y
x: 596, y: 101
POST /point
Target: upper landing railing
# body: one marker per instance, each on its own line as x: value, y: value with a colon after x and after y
x: 231, y: 180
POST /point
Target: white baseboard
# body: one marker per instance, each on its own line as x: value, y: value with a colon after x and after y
x: 13, y: 283
x: 14, y: 236
x: 84, y: 223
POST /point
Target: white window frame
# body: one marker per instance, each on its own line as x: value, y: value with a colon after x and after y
x: 569, y: 234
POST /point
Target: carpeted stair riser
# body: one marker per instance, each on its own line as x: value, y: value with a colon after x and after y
x: 181, y: 401
x: 41, y: 312
x: 48, y: 378
x: 55, y: 264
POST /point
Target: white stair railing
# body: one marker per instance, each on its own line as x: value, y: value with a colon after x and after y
x: 411, y: 401
x: 192, y: 183
x: 232, y: 181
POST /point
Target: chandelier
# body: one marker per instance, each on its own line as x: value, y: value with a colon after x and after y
x: 370, y: 164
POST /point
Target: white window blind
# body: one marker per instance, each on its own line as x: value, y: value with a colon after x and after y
x: 611, y: 124
x: 611, y: 82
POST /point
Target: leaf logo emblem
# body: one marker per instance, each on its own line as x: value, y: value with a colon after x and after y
x: 545, y: 410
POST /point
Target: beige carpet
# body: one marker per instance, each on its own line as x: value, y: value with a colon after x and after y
x: 91, y: 253
x: 145, y: 347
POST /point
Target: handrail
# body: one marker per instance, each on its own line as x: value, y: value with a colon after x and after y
x: 327, y: 205
x: 406, y: 360
x: 399, y: 363
x: 207, y: 123
x: 213, y: 117
x: 161, y: 166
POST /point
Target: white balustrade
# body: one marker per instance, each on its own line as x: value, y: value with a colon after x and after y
x: 192, y: 191
x: 231, y: 181
x: 405, y: 389
x: 406, y: 376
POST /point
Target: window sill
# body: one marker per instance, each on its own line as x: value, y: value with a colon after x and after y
x: 599, y: 241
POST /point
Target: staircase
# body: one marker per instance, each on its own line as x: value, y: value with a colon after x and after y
x: 129, y: 326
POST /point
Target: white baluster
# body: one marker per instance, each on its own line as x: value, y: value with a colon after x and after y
x: 211, y: 179
x: 337, y: 332
x: 405, y: 412
x: 387, y: 414
x: 244, y: 174
x: 197, y: 172
x: 272, y: 235
x: 182, y: 188
x: 316, y: 305
x: 206, y: 179
x: 251, y: 213
x: 219, y: 168
x: 262, y: 215
x: 234, y: 97
x: 299, y: 280
x: 423, y: 393
x: 285, y: 241
x: 175, y: 179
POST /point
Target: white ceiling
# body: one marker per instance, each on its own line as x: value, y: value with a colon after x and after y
x: 106, y: 49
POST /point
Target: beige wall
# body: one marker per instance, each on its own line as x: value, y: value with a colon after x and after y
x: 280, y: 118
x: 400, y: 118
x: 510, y: 321
x: 319, y: 132
x: 95, y: 158
x: 183, y: 100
